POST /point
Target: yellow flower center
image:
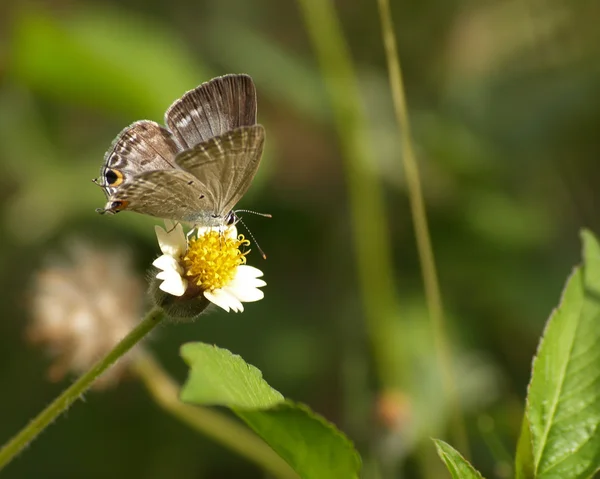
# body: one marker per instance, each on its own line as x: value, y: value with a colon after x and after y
x: 212, y: 259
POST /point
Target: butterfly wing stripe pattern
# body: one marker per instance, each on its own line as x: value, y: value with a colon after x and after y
x: 173, y: 194
x: 213, y: 108
x: 226, y: 164
x: 144, y: 145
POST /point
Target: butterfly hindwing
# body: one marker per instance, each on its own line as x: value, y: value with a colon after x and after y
x: 173, y: 194
x: 226, y: 164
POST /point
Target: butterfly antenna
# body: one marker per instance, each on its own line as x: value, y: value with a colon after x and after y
x: 262, y: 253
x: 266, y: 215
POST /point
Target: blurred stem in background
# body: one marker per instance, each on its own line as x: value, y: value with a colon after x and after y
x: 165, y: 392
x: 419, y: 216
x: 220, y: 428
x: 76, y: 390
x: 503, y: 459
x: 368, y: 217
x: 371, y: 236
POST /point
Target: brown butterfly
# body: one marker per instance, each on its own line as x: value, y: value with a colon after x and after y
x: 197, y: 168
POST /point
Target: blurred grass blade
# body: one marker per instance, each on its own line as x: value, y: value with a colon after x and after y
x: 419, y: 216
x: 369, y: 221
x: 457, y: 465
x: 563, y: 403
x: 313, y: 447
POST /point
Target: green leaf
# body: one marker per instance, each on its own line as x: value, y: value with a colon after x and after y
x: 220, y: 378
x: 457, y: 465
x: 524, y: 459
x: 313, y: 447
x: 102, y: 58
x: 563, y: 403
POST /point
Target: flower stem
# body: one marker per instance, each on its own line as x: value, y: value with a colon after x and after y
x: 213, y: 424
x: 419, y: 216
x: 74, y: 392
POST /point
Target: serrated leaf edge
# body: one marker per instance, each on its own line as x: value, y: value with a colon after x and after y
x: 328, y: 425
x: 555, y: 311
x: 441, y: 447
x: 234, y: 356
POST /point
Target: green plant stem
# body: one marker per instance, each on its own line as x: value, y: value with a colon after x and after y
x: 213, y: 424
x: 74, y: 392
x: 419, y: 216
x: 369, y: 222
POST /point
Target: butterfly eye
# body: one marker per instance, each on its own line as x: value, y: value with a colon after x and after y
x: 231, y: 218
x: 113, y: 177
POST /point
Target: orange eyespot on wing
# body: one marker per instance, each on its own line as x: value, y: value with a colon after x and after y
x: 118, y: 205
x: 113, y: 207
x: 113, y: 177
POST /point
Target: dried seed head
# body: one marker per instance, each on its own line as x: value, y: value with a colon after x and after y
x: 82, y: 306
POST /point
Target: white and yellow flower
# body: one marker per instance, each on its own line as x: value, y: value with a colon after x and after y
x: 209, y: 262
x: 173, y: 245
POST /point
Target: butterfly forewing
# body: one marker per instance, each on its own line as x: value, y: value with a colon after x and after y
x: 142, y: 146
x: 220, y: 105
x: 226, y: 164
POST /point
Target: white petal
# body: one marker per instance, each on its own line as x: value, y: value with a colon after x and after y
x: 231, y: 232
x: 240, y: 308
x: 174, y: 285
x: 202, y: 230
x: 255, y: 282
x: 169, y: 225
x: 246, y: 283
x: 246, y: 294
x: 218, y: 299
x: 165, y: 275
x: 167, y: 263
x: 180, y: 238
x: 225, y: 300
x: 245, y: 271
x: 171, y: 242
x: 234, y: 303
x: 163, y: 239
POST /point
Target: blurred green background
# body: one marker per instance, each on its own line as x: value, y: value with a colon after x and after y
x: 504, y: 99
